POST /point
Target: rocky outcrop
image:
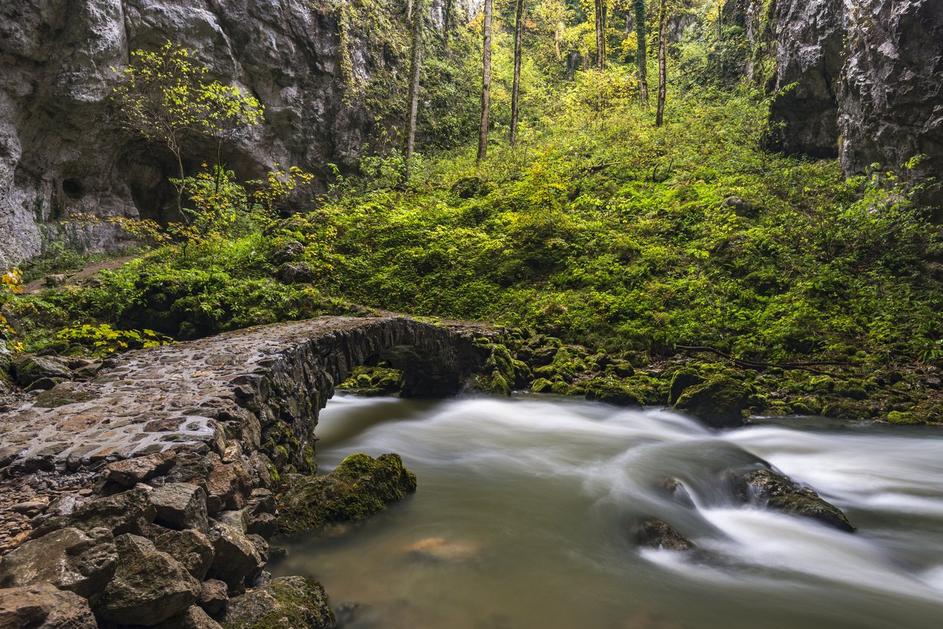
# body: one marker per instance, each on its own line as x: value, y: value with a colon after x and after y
x: 62, y: 156
x: 772, y: 490
x: 285, y: 602
x: 891, y: 92
x: 859, y: 80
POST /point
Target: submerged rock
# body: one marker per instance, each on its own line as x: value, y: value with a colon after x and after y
x: 358, y: 488
x: 439, y: 549
x: 285, y: 602
x: 718, y: 402
x: 780, y: 493
x: 658, y: 534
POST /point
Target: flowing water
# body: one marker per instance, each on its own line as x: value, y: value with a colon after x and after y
x: 526, y: 508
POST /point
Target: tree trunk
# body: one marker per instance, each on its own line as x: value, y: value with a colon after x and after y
x: 600, y: 34
x: 485, y: 84
x: 662, y: 62
x: 516, y: 89
x: 447, y: 19
x: 415, y: 71
x: 641, y: 35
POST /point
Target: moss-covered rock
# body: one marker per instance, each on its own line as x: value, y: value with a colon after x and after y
x: 359, y: 487
x: 502, y: 372
x: 373, y: 381
x: 682, y: 380
x: 284, y: 603
x: 718, y: 402
x: 613, y: 391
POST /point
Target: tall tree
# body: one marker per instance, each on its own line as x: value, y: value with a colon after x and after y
x: 447, y: 22
x: 641, y: 35
x: 600, y: 34
x: 485, y: 83
x: 662, y: 62
x: 415, y: 71
x: 516, y: 89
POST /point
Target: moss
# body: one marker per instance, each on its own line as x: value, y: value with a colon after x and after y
x: 372, y: 381
x: 541, y: 385
x: 612, y: 391
x: 719, y: 401
x: 680, y: 381
x: 285, y: 602
x: 898, y: 417
x: 359, y: 487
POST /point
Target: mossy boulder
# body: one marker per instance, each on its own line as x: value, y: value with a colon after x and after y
x: 502, y: 372
x: 283, y: 603
x: 613, y: 391
x: 359, y: 487
x: 766, y: 487
x: 682, y: 380
x: 719, y: 401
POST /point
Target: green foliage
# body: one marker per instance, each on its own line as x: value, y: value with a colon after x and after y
x: 104, y: 340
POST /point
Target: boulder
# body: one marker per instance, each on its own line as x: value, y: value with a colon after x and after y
x: 718, y: 402
x: 180, y: 506
x: 296, y: 273
x: 228, y: 486
x: 283, y: 602
x: 767, y: 488
x: 130, y: 472
x: 43, y: 606
x: 658, y: 534
x: 358, y: 488
x: 190, y: 547
x: 236, y: 556
x: 214, y: 597
x: 441, y: 550
x: 67, y: 558
x: 29, y: 370
x: 193, y: 618
x: 149, y: 586
x: 126, y: 512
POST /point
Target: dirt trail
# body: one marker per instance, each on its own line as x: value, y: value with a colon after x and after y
x: 77, y: 276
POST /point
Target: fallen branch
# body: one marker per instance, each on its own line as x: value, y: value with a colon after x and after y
x: 758, y: 365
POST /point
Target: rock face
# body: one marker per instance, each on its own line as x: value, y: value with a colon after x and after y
x: 61, y: 154
x: 891, y: 93
x: 809, y: 38
x: 859, y: 80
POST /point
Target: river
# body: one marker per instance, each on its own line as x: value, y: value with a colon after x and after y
x: 525, y: 514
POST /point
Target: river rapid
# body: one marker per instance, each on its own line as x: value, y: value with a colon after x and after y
x: 526, y: 511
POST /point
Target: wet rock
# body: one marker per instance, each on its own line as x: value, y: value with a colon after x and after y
x: 193, y: 618
x: 236, y: 558
x: 130, y: 472
x: 43, y: 606
x: 214, y: 597
x: 67, y: 558
x: 768, y: 488
x: 180, y: 506
x: 149, y: 586
x: 658, y: 534
x: 718, y: 402
x: 284, y: 602
x: 358, y: 488
x: 29, y: 370
x: 190, y: 547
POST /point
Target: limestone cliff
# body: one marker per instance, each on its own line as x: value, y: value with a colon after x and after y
x: 312, y: 63
x: 857, y: 79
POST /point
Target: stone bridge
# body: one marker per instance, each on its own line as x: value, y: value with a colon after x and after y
x: 251, y: 396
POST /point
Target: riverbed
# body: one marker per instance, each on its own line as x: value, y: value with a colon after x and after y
x: 526, y: 512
